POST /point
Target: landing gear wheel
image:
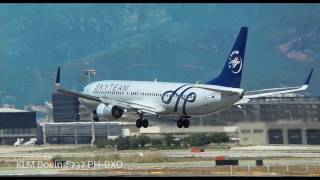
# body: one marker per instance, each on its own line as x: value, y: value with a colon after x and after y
x: 180, y: 123
x: 139, y: 123
x: 186, y: 123
x: 145, y: 123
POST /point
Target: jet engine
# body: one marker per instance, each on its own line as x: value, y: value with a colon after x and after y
x: 109, y: 111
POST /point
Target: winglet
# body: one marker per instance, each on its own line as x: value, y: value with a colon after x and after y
x: 309, y: 77
x: 58, y: 76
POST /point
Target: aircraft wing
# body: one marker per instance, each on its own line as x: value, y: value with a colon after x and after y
x: 133, y: 106
x: 273, y: 91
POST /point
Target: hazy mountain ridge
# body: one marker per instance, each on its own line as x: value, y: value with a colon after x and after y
x: 136, y: 41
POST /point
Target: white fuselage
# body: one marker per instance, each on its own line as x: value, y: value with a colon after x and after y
x: 179, y: 99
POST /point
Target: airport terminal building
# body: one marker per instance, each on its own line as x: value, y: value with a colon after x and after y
x: 82, y: 132
x: 261, y: 133
x: 16, y: 124
x: 65, y: 108
x: 72, y: 124
x: 288, y: 119
x: 284, y: 108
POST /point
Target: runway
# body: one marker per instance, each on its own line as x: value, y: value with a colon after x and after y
x: 185, y: 159
x: 172, y: 153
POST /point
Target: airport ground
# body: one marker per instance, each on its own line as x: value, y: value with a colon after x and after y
x: 277, y: 160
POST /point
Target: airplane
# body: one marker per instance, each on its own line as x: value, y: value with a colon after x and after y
x: 113, y: 98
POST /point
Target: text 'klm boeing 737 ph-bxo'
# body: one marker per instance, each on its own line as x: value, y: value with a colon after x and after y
x: 111, y: 98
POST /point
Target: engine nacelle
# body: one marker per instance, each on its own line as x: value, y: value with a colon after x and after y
x: 109, y: 111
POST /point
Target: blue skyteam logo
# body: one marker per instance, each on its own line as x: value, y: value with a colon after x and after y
x: 235, y: 62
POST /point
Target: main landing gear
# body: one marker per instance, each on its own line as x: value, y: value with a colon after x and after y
x: 142, y: 122
x: 183, y: 122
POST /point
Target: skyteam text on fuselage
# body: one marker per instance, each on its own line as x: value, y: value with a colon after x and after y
x: 112, y: 98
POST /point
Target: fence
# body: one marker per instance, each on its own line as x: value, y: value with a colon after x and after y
x: 293, y: 170
x: 267, y: 170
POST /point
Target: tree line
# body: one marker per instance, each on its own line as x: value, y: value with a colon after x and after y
x: 169, y: 141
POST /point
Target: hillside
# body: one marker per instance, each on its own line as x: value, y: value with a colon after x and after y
x: 146, y: 41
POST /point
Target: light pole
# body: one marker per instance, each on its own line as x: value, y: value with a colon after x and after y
x: 89, y: 73
x: 108, y: 131
x: 44, y: 134
x: 75, y: 127
x: 2, y: 95
x: 93, y: 139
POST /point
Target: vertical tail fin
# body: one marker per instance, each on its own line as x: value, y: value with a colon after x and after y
x: 230, y: 75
